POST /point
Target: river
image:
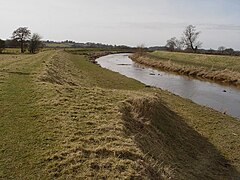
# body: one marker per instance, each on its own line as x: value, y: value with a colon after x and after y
x: 219, y: 97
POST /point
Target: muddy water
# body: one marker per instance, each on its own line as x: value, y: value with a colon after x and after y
x: 221, y: 98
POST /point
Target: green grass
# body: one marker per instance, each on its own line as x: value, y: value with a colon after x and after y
x: 200, y: 60
x: 22, y: 138
x: 85, y: 50
x: 59, y: 45
x: 12, y: 51
x: 92, y: 52
x: 103, y: 78
x: 17, y: 51
x: 64, y: 117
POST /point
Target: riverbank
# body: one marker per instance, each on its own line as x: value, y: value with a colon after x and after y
x: 222, y: 69
x: 65, y: 117
x: 93, y: 53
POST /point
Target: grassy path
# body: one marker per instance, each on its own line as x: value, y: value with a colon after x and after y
x: 21, y: 136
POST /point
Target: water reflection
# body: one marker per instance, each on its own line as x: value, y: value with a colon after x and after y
x: 201, y: 92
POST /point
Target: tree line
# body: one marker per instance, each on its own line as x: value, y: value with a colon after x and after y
x: 189, y: 43
x: 23, y: 38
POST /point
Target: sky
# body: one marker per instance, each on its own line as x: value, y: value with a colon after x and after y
x: 126, y: 22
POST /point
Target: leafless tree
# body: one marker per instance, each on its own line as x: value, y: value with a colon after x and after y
x: 174, y: 44
x: 221, y: 49
x: 229, y: 51
x: 34, y: 43
x: 21, y: 35
x: 190, y: 38
x: 179, y: 45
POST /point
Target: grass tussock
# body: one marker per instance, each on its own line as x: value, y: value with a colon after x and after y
x: 94, y: 144
x: 63, y: 117
x: 196, y: 68
x: 167, y: 140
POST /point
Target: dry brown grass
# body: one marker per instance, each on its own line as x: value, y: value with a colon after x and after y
x: 218, y: 62
x: 144, y: 140
x: 89, y: 128
x: 165, y: 137
x: 222, y: 75
x: 71, y: 119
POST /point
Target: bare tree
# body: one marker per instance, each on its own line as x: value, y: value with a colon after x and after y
x: 2, y: 45
x: 21, y: 35
x: 174, y: 44
x: 229, y: 51
x: 34, y: 43
x: 221, y: 49
x: 190, y: 38
x: 179, y: 45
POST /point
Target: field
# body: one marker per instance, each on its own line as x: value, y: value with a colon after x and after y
x: 58, y: 45
x: 201, y: 60
x: 63, y: 117
x: 225, y: 69
x: 11, y: 51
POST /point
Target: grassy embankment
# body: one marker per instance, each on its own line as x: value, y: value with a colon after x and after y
x: 224, y: 69
x: 64, y: 117
x: 93, y: 53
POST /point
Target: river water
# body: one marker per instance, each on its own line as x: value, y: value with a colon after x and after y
x: 219, y: 97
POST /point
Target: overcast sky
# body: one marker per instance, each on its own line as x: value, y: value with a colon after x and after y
x: 129, y: 22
